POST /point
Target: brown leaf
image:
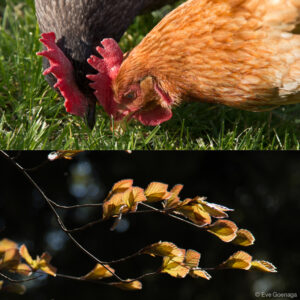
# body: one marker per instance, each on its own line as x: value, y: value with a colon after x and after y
x: 6, y: 244
x: 192, y: 258
x: 40, y: 263
x: 157, y: 191
x: 224, y: 230
x: 173, y: 200
x: 194, y: 211
x: 66, y: 154
x: 164, y: 249
x: 196, y: 273
x: 263, y: 266
x: 99, y: 272
x: 214, y: 210
x: 133, y: 196
x: 119, y: 187
x: 130, y: 286
x: 244, y: 238
x: 10, y: 259
x: 175, y: 267
x: 238, y: 260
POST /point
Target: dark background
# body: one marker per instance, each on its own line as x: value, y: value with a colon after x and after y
x: 263, y: 188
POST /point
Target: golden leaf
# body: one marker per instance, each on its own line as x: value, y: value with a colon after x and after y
x: 6, y: 244
x: 122, y: 185
x: 130, y: 286
x: 66, y: 154
x: 244, y: 238
x: 194, y: 211
x: 263, y: 265
x: 175, y: 267
x: 214, y: 210
x: 133, y: 196
x: 99, y: 272
x: 238, y: 260
x: 224, y: 230
x: 173, y: 199
x: 25, y: 254
x: 192, y: 258
x: 196, y: 273
x: 10, y: 259
x: 157, y: 191
x: 22, y: 269
x: 114, y: 206
x: 164, y: 249
x: 40, y: 263
x: 119, y: 187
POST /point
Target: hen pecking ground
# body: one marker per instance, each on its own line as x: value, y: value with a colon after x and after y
x: 33, y: 116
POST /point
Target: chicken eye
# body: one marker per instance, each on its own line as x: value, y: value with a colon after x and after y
x: 130, y: 96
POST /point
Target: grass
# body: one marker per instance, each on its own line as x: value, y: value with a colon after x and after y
x: 33, y: 116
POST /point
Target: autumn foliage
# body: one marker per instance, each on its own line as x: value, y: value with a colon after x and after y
x: 125, y: 198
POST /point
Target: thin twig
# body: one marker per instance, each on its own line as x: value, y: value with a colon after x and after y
x: 59, y: 220
x: 18, y: 281
x: 172, y: 216
x: 76, y: 206
x: 86, y: 226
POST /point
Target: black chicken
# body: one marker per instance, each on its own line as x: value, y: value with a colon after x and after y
x: 79, y: 26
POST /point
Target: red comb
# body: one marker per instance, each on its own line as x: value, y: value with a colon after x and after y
x: 108, y: 69
x: 62, y: 69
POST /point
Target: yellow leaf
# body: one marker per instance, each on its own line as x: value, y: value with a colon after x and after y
x: 43, y: 263
x: 175, y: 267
x: 130, y: 286
x: 224, y: 230
x: 173, y: 199
x: 40, y: 263
x: 192, y: 258
x: 244, y: 238
x: 196, y: 273
x: 164, y: 249
x: 66, y: 154
x: 214, y: 210
x: 194, y: 211
x: 263, y: 265
x: 156, y: 191
x: 10, y: 259
x: 99, y: 272
x: 238, y: 260
x: 114, y: 206
x: 119, y: 187
x: 25, y: 254
x: 133, y: 196
x: 122, y: 185
x: 22, y: 269
x: 6, y: 244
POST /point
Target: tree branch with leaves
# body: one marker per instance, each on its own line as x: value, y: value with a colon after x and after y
x: 125, y: 199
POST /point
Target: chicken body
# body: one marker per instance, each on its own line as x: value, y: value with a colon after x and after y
x: 240, y: 53
x: 80, y: 25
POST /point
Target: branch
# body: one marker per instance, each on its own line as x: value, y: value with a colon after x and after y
x: 58, y: 219
x: 18, y: 281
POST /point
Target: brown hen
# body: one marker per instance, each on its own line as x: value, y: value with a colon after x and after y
x: 240, y: 53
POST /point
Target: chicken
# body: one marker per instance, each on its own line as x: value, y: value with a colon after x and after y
x: 79, y: 26
x: 240, y: 53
